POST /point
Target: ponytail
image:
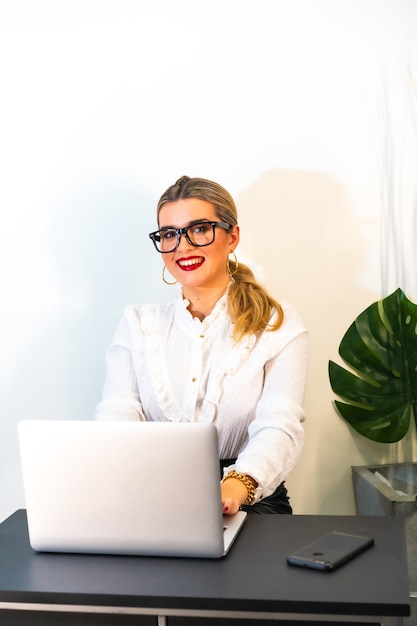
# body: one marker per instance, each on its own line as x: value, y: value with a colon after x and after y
x: 250, y: 305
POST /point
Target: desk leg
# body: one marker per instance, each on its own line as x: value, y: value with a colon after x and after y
x: 162, y: 620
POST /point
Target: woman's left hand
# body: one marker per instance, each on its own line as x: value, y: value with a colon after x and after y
x: 234, y: 494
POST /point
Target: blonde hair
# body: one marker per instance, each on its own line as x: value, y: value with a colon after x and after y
x: 250, y: 305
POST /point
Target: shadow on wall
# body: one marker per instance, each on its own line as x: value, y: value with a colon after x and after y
x: 298, y: 226
x: 99, y: 260
x: 300, y: 229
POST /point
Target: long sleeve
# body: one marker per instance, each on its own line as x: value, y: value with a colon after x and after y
x: 276, y: 435
x: 120, y: 393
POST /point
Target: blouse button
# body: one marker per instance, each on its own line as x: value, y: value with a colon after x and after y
x: 193, y: 379
x: 202, y: 336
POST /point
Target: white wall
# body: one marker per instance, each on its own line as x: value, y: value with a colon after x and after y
x: 104, y: 103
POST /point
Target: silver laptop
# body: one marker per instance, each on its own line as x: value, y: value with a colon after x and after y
x: 143, y: 488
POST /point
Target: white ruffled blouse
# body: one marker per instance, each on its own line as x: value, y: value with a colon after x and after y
x: 163, y: 364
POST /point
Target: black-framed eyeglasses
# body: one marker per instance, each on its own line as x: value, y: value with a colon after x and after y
x: 198, y: 234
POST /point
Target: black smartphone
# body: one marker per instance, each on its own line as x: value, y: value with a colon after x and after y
x: 330, y: 551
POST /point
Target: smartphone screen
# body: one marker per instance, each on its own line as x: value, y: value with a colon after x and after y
x: 330, y: 551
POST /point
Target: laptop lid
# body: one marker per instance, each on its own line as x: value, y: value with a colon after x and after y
x: 145, y: 488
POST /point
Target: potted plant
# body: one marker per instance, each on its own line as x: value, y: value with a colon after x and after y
x: 378, y: 398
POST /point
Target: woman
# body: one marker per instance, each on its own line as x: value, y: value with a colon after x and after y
x: 223, y: 351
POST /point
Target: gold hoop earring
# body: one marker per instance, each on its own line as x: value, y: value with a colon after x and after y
x: 236, y: 267
x: 165, y: 280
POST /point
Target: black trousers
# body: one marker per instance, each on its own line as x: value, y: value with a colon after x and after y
x: 278, y: 502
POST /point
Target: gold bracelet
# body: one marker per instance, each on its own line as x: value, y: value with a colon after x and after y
x: 246, y: 481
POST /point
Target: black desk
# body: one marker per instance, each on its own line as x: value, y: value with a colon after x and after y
x: 252, y: 582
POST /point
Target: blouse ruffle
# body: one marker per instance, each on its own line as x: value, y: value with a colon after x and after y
x: 153, y: 322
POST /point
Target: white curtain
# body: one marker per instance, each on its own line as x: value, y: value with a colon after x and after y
x: 398, y: 126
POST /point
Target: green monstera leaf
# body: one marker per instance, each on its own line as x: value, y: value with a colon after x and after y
x: 380, y: 394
